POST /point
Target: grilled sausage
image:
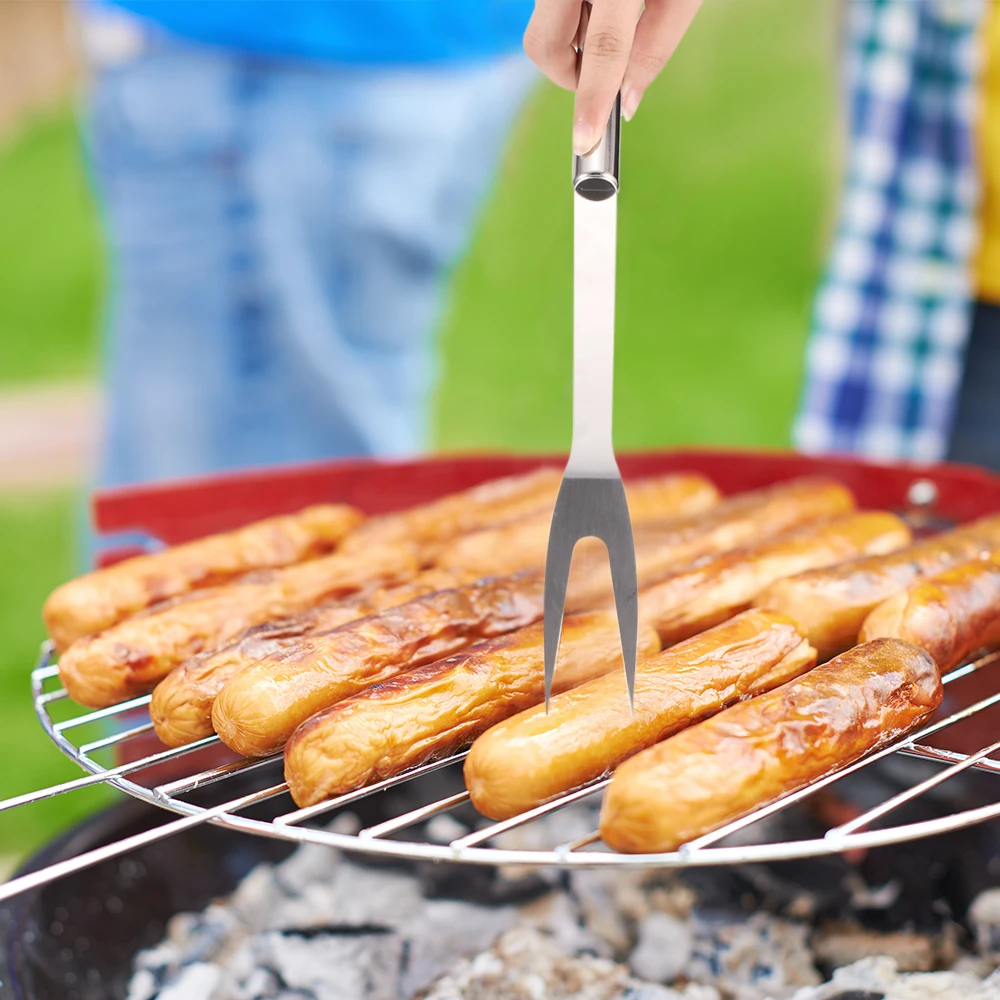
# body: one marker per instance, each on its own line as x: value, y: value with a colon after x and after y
x: 130, y: 658
x: 750, y: 754
x: 739, y: 520
x: 588, y: 731
x: 718, y: 588
x: 522, y: 545
x: 499, y: 501
x: 950, y: 615
x: 105, y: 597
x: 432, y: 711
x: 831, y: 604
x: 258, y: 709
x: 181, y: 707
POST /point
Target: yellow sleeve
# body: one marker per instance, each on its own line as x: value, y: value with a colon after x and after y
x: 987, y: 267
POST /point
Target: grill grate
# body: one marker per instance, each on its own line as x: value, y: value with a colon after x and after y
x: 386, y: 838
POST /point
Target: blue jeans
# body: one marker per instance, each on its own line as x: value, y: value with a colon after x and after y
x: 280, y: 235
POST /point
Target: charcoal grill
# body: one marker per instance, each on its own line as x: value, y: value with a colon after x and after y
x: 199, y: 794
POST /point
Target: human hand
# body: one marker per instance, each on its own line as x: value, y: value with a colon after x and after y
x: 627, y: 44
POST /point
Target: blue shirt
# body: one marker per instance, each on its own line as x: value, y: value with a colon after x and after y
x: 348, y: 31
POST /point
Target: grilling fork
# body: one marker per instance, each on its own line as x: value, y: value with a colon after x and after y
x: 591, y: 500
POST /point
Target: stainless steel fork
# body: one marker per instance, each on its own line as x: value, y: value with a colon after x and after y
x: 591, y: 500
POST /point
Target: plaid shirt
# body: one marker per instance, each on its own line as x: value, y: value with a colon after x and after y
x: 891, y: 318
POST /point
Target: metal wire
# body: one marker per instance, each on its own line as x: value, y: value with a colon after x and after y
x: 473, y: 848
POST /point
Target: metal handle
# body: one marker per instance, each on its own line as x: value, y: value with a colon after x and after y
x: 595, y: 226
x: 595, y: 174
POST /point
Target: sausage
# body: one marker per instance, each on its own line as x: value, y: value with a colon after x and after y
x: 130, y: 658
x: 589, y: 584
x: 98, y: 600
x: 831, y: 605
x: 535, y: 756
x: 718, y: 588
x: 258, y: 709
x: 496, y: 502
x: 715, y: 590
x: 522, y: 545
x: 736, y: 521
x: 662, y: 498
x: 438, y: 708
x: 951, y: 615
x: 181, y: 707
x: 750, y: 754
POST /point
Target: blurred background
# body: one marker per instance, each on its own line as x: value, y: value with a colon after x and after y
x: 729, y: 179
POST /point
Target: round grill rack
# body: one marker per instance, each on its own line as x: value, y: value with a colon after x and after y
x: 201, y: 790
x: 483, y: 846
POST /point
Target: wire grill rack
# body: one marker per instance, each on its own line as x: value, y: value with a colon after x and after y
x: 388, y: 838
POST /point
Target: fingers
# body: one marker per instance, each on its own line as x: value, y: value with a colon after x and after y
x: 605, y: 57
x: 621, y: 50
x: 549, y: 38
x: 660, y: 29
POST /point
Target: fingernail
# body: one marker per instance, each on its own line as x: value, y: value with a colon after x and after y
x: 583, y: 138
x: 630, y: 102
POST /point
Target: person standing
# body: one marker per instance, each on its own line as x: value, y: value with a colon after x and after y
x: 975, y: 434
x: 284, y: 188
x: 904, y: 355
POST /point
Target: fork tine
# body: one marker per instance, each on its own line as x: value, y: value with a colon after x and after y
x: 624, y: 579
x: 562, y: 541
x: 591, y: 507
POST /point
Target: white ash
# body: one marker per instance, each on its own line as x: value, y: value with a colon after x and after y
x: 757, y: 958
x: 663, y: 949
x: 844, y: 946
x: 984, y: 915
x: 526, y: 965
x: 346, y: 823
x: 879, y: 979
x: 611, y: 903
x: 331, y: 967
x: 558, y: 827
x: 558, y: 916
x: 449, y: 928
x: 321, y: 927
x: 443, y: 829
x: 198, y: 980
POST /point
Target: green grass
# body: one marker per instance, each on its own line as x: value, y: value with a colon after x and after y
x: 727, y: 174
x: 50, y: 262
x: 37, y: 544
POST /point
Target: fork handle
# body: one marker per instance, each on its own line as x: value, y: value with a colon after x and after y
x: 592, y: 452
x: 595, y: 221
